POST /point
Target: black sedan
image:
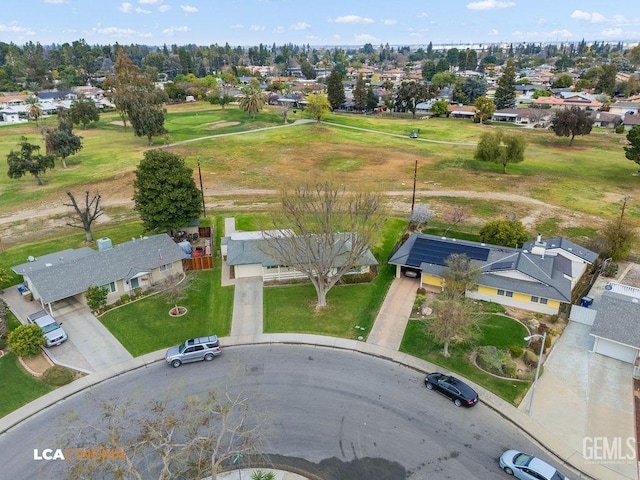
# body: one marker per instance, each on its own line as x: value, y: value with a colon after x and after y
x: 456, y: 390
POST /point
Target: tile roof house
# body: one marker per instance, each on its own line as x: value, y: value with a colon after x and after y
x: 616, y: 327
x: 121, y: 268
x: 539, y: 277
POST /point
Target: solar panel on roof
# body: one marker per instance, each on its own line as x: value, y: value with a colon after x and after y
x: 430, y: 250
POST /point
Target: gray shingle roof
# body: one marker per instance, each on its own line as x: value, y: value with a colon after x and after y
x: 505, y: 268
x: 566, y: 245
x: 251, y: 251
x: 618, y: 319
x: 70, y: 277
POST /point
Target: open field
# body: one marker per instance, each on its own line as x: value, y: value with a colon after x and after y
x: 585, y: 182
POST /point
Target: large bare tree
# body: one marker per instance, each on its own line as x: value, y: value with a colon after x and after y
x: 166, y: 438
x: 83, y: 216
x: 324, y: 232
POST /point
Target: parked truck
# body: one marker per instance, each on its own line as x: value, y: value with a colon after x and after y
x: 54, y: 334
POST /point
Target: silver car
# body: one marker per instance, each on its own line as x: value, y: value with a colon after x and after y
x: 527, y: 467
x: 53, y: 332
x: 193, y: 350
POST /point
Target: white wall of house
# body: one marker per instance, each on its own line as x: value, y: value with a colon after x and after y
x: 615, y: 350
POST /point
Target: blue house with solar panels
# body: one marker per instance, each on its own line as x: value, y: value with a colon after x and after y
x: 538, y: 277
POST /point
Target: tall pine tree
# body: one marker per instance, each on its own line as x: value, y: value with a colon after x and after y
x: 505, y: 96
x: 335, y: 89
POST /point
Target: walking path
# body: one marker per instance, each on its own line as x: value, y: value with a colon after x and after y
x: 394, y: 313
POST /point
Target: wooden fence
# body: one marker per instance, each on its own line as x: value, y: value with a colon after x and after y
x: 197, y: 263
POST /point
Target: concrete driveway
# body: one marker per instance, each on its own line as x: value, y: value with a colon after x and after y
x: 391, y: 322
x: 90, y: 347
x: 247, y: 307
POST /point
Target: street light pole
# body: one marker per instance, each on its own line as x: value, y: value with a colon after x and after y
x: 535, y: 381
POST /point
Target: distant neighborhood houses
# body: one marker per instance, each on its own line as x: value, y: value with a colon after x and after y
x: 531, y: 109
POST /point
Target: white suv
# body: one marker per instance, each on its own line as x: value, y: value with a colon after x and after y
x: 193, y: 350
x: 53, y: 332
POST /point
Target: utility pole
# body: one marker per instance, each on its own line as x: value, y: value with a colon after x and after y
x: 415, y: 178
x: 204, y: 212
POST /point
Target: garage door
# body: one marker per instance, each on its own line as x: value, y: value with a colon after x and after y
x: 615, y: 350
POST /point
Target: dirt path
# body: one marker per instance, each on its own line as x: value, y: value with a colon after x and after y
x: 58, y: 210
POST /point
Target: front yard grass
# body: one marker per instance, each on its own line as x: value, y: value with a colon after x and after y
x: 17, y: 386
x: 145, y: 326
x: 496, y: 330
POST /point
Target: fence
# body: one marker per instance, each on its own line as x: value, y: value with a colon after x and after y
x: 197, y: 263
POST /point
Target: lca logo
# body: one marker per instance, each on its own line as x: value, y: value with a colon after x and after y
x: 79, y: 454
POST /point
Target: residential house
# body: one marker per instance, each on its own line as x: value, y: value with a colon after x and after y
x: 461, y: 111
x: 616, y: 327
x: 538, y: 277
x: 246, y: 254
x: 623, y: 108
x: 121, y: 268
x: 605, y: 119
x: 521, y: 116
x: 630, y: 120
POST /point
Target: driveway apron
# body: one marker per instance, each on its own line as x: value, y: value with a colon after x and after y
x: 247, y: 307
x: 394, y: 314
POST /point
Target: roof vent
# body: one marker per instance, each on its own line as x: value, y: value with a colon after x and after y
x: 104, y: 243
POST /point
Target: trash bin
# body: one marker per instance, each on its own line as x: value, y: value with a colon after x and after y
x: 586, y: 302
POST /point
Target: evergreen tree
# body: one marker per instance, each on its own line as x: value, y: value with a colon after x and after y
x: 360, y: 94
x: 505, y: 96
x: 335, y: 89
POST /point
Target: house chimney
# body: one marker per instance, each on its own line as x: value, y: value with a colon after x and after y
x: 539, y: 247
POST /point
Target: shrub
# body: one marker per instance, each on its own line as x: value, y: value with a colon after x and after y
x: 510, y: 368
x: 137, y: 292
x: 554, y: 332
x: 535, y: 344
x: 547, y: 342
x: 358, y: 278
x: 516, y: 351
x: 620, y: 129
x: 542, y: 328
x: 554, y: 319
x: 57, y: 376
x: 490, y: 359
x: 531, y: 358
x: 26, y: 340
x: 96, y: 298
x: 125, y: 298
x: 421, y: 291
x: 3, y: 342
x: 610, y: 270
x: 262, y: 475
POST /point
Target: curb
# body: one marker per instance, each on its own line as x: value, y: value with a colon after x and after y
x: 547, y: 440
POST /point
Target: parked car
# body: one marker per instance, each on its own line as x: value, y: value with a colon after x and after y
x: 53, y: 332
x: 456, y: 390
x: 527, y: 467
x: 193, y: 350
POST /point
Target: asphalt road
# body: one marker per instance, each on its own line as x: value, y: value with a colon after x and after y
x: 338, y: 412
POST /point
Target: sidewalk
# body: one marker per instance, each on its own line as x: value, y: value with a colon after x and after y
x: 394, y: 314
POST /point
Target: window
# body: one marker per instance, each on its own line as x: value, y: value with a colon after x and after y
x: 111, y: 287
x: 505, y: 293
x: 543, y: 301
x: 508, y: 293
x: 535, y: 299
x: 500, y: 292
x: 166, y: 266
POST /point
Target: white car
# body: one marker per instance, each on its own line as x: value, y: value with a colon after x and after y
x: 527, y: 467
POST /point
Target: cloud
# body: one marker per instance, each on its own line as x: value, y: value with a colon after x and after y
x: 236, y: 26
x: 57, y: 2
x: 172, y: 30
x: 256, y: 28
x: 489, y: 5
x: 300, y: 26
x: 126, y: 7
x: 117, y: 32
x: 612, y: 32
x: 389, y: 21
x: 552, y: 35
x: 13, y: 27
x: 189, y: 9
x: 353, y: 19
x: 365, y: 38
x: 422, y: 15
x: 596, y: 17
x: 279, y: 29
x: 493, y: 32
x: 164, y: 8
x: 150, y: 2
x: 142, y: 10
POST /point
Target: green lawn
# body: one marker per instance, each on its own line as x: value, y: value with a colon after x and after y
x: 495, y: 330
x: 17, y: 386
x: 145, y: 326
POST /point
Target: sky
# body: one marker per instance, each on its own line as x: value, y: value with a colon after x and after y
x: 319, y: 22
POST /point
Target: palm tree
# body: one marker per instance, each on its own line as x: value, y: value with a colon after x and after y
x: 251, y: 99
x: 34, y: 111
